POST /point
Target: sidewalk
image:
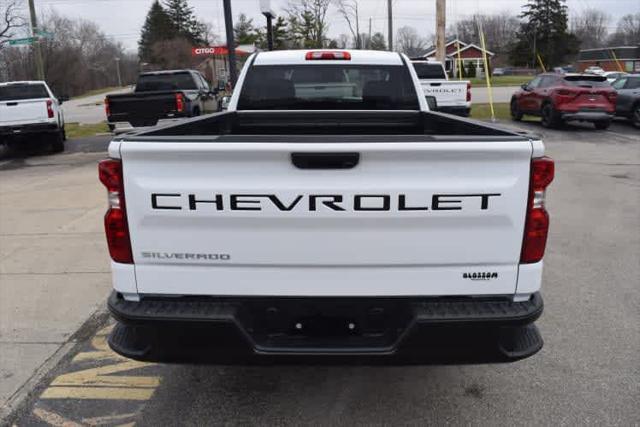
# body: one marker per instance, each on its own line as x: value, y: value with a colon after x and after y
x: 54, y: 266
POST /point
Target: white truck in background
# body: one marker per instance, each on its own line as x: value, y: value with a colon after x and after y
x: 297, y: 227
x: 29, y: 110
x: 452, y: 96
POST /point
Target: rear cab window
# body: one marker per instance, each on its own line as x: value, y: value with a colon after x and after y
x: 328, y: 87
x: 427, y: 71
x: 15, y: 92
x: 166, y: 81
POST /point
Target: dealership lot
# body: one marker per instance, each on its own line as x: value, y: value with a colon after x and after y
x: 54, y: 274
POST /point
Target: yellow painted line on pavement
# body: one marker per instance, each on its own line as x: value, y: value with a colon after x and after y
x: 54, y: 419
x: 110, y: 419
x: 100, y: 382
x: 98, y: 393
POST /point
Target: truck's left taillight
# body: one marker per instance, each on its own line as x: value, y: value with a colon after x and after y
x: 107, y: 107
x: 537, y: 221
x: 115, y: 220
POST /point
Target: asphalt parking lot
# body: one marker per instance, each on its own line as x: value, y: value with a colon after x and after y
x: 587, y: 373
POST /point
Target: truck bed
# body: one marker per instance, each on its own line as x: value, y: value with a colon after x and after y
x: 348, y: 126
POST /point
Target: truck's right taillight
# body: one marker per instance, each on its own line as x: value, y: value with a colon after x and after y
x: 537, y: 221
x: 468, y: 92
x: 115, y: 220
x: 107, y: 107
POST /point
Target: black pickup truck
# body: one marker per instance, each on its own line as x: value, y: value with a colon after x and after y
x: 161, y: 96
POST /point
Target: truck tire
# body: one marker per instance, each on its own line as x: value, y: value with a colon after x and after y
x: 550, y: 117
x: 635, y: 115
x: 57, y: 143
x: 602, y: 125
x: 516, y: 114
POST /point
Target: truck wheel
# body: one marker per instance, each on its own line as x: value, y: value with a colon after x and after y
x: 196, y: 112
x: 57, y: 143
x: 602, y: 125
x: 550, y: 118
x: 635, y: 115
x: 516, y: 114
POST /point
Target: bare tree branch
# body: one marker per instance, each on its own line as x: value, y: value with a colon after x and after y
x: 10, y: 20
x: 349, y: 11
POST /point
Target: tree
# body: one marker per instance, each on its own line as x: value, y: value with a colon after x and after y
x: 184, y: 21
x: 349, y: 11
x: 378, y: 42
x: 281, y: 38
x: 590, y: 28
x: 244, y: 32
x: 157, y: 27
x: 10, y: 20
x: 308, y: 22
x: 543, y: 32
x: 409, y: 42
x: 498, y: 30
x: 627, y: 31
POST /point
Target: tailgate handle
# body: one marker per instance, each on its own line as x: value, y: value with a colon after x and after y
x: 435, y: 84
x: 325, y: 160
x: 11, y: 104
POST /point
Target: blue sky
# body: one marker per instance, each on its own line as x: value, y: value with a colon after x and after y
x: 122, y: 19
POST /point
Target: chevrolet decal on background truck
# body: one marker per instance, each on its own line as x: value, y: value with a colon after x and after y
x: 306, y: 226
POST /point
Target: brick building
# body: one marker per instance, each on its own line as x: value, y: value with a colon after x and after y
x: 625, y: 58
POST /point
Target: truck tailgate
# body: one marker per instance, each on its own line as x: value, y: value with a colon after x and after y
x: 424, y: 218
x: 448, y: 93
x: 23, y: 111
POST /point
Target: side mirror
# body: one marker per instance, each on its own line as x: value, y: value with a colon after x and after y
x: 525, y: 86
x: 224, y: 104
x: 63, y: 98
x: 432, y: 102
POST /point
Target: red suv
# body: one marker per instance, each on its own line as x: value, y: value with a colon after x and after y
x: 558, y: 98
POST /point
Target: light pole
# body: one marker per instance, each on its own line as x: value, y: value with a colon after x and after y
x: 265, y: 8
x: 231, y: 49
x: 118, y: 71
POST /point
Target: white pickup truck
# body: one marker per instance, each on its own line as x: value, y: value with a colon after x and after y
x: 295, y: 227
x: 452, y: 96
x: 28, y: 109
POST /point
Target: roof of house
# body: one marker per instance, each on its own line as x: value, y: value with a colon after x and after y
x: 431, y: 50
x: 610, y: 53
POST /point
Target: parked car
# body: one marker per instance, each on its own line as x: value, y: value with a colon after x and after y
x: 326, y: 229
x: 594, y: 70
x: 628, y: 101
x: 29, y: 110
x: 452, y: 96
x: 159, y: 97
x: 569, y: 97
x: 612, y: 76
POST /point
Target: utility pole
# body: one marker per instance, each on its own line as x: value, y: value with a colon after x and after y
x: 36, y: 44
x: 118, y: 71
x: 369, y: 41
x: 441, y: 13
x: 231, y: 48
x: 390, y: 18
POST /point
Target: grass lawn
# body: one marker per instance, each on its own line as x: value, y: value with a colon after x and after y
x: 483, y: 111
x: 77, y: 130
x: 501, y: 81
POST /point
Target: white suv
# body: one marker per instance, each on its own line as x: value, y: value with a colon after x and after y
x: 29, y: 109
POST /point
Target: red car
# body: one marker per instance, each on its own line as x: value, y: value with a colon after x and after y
x: 559, y: 98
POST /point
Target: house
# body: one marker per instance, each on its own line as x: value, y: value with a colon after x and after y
x: 458, y: 52
x: 623, y: 58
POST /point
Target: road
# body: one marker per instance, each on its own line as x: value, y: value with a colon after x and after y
x: 480, y: 95
x: 587, y: 373
x: 89, y: 109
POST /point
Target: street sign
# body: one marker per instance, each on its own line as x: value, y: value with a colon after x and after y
x: 44, y: 34
x: 24, y: 41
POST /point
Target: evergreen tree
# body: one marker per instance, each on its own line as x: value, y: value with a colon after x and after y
x: 545, y: 28
x: 184, y: 21
x: 244, y: 32
x: 378, y: 42
x: 157, y: 27
x: 280, y: 35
